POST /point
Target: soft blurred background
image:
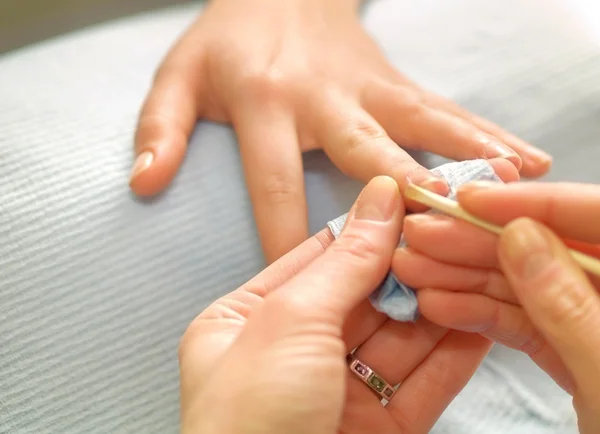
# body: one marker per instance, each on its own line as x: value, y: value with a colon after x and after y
x: 23, y: 22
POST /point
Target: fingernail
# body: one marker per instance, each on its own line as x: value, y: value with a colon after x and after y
x: 526, y: 248
x: 378, y: 201
x: 424, y: 178
x: 418, y: 219
x: 478, y: 185
x: 494, y: 149
x: 142, y: 162
x: 537, y: 156
x: 498, y: 150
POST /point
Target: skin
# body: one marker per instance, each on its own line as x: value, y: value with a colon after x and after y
x: 270, y: 356
x: 303, y: 75
x: 521, y: 289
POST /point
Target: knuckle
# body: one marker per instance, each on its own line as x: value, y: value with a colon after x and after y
x: 151, y: 124
x: 551, y: 210
x: 264, y: 86
x: 357, y: 248
x: 154, y: 124
x: 412, y: 106
x: 324, y: 239
x: 533, y: 343
x: 400, y: 167
x: 567, y: 302
x: 355, y: 142
x: 362, y: 134
x: 279, y: 188
x: 154, y: 121
x: 413, y: 115
x: 294, y: 305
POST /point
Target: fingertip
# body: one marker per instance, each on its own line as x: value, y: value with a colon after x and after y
x: 505, y: 170
x: 401, y: 262
x: 380, y: 200
x: 154, y: 168
x: 520, y: 238
x: 536, y: 163
x: 433, y: 306
x: 424, y: 178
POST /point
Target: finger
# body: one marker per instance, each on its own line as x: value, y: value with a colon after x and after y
x: 274, y: 175
x: 498, y: 321
x: 558, y: 298
x: 393, y: 352
x: 361, y: 324
x: 214, y: 330
x: 395, y: 349
x: 449, y: 240
x: 289, y: 264
x: 504, y: 169
x: 360, y: 148
x: 354, y: 264
x: 419, y: 271
x: 432, y: 386
x: 402, y: 111
x: 363, y: 412
x: 437, y: 236
x: 166, y: 121
x: 572, y: 210
x: 535, y: 161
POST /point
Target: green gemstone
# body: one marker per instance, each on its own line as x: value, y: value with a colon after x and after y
x: 377, y: 383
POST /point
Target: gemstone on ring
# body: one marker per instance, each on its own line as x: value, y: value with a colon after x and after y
x: 377, y: 383
x: 361, y: 369
x: 370, y: 378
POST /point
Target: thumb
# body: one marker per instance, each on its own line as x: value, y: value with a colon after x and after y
x: 559, y: 299
x: 354, y: 264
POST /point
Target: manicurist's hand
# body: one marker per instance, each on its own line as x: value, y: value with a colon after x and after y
x: 522, y: 289
x: 297, y: 75
x: 270, y: 357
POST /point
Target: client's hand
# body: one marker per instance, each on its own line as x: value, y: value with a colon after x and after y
x: 271, y: 356
x: 523, y: 289
x: 297, y: 75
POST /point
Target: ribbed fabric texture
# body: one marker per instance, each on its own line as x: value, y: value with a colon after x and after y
x: 97, y: 287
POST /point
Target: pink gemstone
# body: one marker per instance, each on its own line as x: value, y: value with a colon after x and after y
x: 361, y: 369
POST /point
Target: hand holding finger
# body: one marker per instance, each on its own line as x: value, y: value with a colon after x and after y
x: 562, y: 303
x: 213, y: 331
x: 358, y: 260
